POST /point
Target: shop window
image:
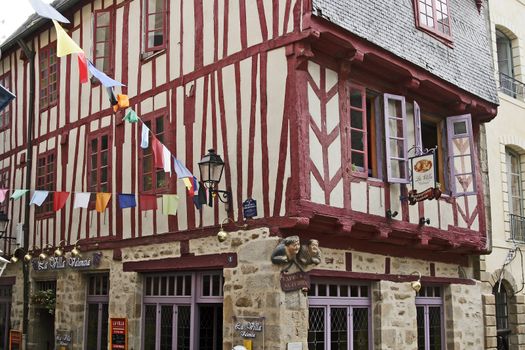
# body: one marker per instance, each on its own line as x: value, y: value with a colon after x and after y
x: 103, y: 40
x: 97, y: 300
x: 515, y: 195
x: 153, y: 179
x: 99, y: 163
x: 5, y: 114
x: 339, y: 316
x: 433, y: 17
x: 430, y: 319
x: 45, y: 180
x: 48, y: 67
x: 502, y: 316
x: 155, y: 25
x: 5, y: 313
x: 4, y: 183
x: 183, y: 311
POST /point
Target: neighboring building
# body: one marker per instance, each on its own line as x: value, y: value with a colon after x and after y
x: 316, y: 108
x: 505, y: 136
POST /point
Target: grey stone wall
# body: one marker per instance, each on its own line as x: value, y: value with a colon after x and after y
x: 467, y: 63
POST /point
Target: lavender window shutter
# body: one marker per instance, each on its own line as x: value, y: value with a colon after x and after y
x: 417, y: 126
x: 395, y: 138
x: 461, y: 155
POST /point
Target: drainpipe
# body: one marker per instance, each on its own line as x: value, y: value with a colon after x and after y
x: 30, y: 55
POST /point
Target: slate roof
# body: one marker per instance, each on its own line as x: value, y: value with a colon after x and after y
x: 390, y: 24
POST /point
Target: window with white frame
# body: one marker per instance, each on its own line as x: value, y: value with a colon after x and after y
x: 339, y: 316
x: 155, y: 25
x: 433, y: 17
x: 515, y: 194
x: 502, y: 316
x: 430, y: 318
x: 97, y: 312
x: 509, y: 84
x: 183, y: 311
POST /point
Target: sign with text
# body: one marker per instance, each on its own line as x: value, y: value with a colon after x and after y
x: 15, y: 340
x: 249, y: 208
x: 423, y: 175
x: 63, y: 339
x: 118, y: 333
x: 249, y: 331
x: 62, y: 262
x: 294, y: 281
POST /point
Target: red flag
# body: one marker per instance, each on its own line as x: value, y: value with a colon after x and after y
x: 148, y: 202
x: 82, y: 67
x: 59, y: 200
x: 158, y: 157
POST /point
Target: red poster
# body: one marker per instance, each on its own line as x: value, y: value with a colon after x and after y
x: 15, y: 340
x: 119, y: 334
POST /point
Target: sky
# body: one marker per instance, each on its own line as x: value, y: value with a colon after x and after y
x: 12, y: 15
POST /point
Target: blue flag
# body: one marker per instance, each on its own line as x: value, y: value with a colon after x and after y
x: 126, y: 200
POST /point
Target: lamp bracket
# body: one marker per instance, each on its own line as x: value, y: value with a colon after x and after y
x: 224, y: 196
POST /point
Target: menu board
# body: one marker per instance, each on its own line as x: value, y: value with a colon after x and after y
x: 119, y: 334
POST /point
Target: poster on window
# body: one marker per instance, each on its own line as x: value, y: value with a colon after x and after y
x: 423, y: 175
x: 118, y: 334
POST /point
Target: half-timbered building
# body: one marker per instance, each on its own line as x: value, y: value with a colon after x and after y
x: 329, y: 117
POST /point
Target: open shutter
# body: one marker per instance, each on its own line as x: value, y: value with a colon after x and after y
x: 461, y: 155
x: 358, y: 132
x: 395, y: 138
x: 417, y: 127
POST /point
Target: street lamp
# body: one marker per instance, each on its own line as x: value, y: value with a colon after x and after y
x: 4, y: 223
x: 211, y: 168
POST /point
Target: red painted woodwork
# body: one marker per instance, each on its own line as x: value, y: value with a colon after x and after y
x: 188, y: 262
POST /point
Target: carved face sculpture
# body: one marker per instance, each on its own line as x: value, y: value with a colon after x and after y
x: 314, y: 246
x: 292, y: 248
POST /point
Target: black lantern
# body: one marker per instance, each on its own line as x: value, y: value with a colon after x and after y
x: 4, y: 223
x: 211, y: 167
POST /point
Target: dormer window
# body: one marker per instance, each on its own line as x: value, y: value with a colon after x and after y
x: 432, y: 16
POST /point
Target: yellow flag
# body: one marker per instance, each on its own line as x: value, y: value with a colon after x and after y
x: 65, y: 45
x: 102, y: 201
x: 170, y: 203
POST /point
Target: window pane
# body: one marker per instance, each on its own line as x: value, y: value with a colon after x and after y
x: 356, y: 119
x: 92, y: 326
x: 183, y: 327
x: 434, y: 320
x: 420, y: 327
x: 356, y: 99
x: 102, y: 19
x: 395, y: 126
x: 398, y: 169
x: 166, y: 327
x: 150, y: 321
x: 460, y: 128
x: 360, y: 323
x: 316, y: 328
x: 104, y: 326
x: 338, y: 329
x: 357, y: 140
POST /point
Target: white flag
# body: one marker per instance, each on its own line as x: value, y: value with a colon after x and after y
x: 145, y: 137
x: 166, y: 156
x: 81, y: 199
x: 39, y: 197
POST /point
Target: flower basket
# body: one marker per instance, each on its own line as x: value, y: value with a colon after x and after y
x: 46, y: 299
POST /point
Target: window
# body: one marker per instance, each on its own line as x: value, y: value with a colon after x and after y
x: 339, y: 316
x: 430, y: 326
x: 171, y: 299
x: 433, y: 17
x: 460, y: 154
x: 155, y: 25
x: 4, y: 183
x: 99, y: 161
x: 515, y: 195
x: 97, y: 312
x: 45, y: 180
x: 5, y: 312
x: 103, y: 40
x: 152, y: 178
x: 508, y: 83
x: 358, y: 130
x: 396, y: 138
x: 502, y: 316
x: 5, y: 114
x: 48, y: 76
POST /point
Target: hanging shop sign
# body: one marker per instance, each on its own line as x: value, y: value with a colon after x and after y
x: 295, y: 281
x: 119, y: 334
x: 15, y: 340
x: 423, y: 175
x: 63, y: 339
x: 62, y: 263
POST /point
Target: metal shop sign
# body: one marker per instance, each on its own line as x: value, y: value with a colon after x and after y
x: 423, y: 175
x: 61, y: 262
x: 63, y: 339
x: 294, y: 281
x: 248, y: 327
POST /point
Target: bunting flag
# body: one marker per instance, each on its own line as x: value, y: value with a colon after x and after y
x: 102, y: 77
x: 47, y: 11
x: 82, y: 199
x: 60, y: 199
x: 170, y: 203
x: 39, y: 197
x: 126, y: 200
x: 144, y: 143
x: 18, y: 193
x: 112, y: 99
x: 3, y: 192
x: 132, y: 117
x: 180, y: 169
x: 148, y: 202
x: 65, y: 45
x: 82, y: 67
x: 102, y: 201
x: 166, y: 159
x: 6, y: 96
x: 157, y: 148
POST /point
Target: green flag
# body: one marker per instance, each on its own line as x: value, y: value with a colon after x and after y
x: 170, y: 203
x: 18, y: 193
x: 131, y: 116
